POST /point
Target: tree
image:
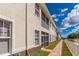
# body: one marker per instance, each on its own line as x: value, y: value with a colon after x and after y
x: 72, y: 36
x: 77, y: 34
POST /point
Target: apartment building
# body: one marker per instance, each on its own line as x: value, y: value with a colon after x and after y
x: 25, y: 28
x: 41, y: 29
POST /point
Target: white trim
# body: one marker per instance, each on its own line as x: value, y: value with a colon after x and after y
x: 15, y: 51
x: 6, y: 18
x: 6, y: 54
x: 32, y: 46
x: 19, y: 50
x: 13, y: 37
x: 13, y: 29
x: 4, y: 37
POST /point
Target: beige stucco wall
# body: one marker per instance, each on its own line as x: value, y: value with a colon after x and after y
x: 53, y: 33
x: 33, y: 23
x: 16, y: 12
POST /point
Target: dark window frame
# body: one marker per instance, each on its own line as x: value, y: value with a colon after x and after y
x: 37, y: 9
x: 37, y: 36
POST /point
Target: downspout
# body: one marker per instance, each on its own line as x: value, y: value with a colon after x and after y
x: 57, y: 34
x: 26, y: 28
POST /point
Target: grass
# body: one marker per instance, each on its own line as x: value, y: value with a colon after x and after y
x: 65, y: 50
x: 40, y: 53
x: 71, y: 40
x: 45, y: 53
x: 53, y: 44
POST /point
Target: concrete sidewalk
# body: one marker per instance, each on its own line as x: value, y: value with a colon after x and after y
x: 57, y: 50
x: 73, y: 47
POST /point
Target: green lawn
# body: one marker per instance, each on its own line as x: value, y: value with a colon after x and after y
x: 53, y: 44
x: 65, y: 50
x: 40, y: 53
x: 71, y: 40
x: 44, y: 53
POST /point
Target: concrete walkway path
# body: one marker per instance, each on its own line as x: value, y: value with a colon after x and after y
x: 57, y: 50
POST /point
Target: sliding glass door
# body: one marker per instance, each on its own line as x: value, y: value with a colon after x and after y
x: 44, y: 39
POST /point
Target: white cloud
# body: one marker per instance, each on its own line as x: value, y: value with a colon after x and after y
x: 67, y: 19
x: 61, y: 15
x: 54, y: 15
x: 72, y: 17
x: 76, y: 6
x: 56, y: 20
x: 67, y: 25
x: 65, y: 9
x: 61, y: 29
x: 74, y: 30
x: 77, y: 27
x: 72, y: 13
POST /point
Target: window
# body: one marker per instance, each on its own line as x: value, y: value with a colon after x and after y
x: 5, y: 36
x: 37, y: 9
x: 44, y: 39
x: 36, y: 37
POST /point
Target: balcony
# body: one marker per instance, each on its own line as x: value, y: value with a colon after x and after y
x: 43, y: 24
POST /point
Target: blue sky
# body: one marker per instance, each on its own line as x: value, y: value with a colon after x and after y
x: 66, y: 17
